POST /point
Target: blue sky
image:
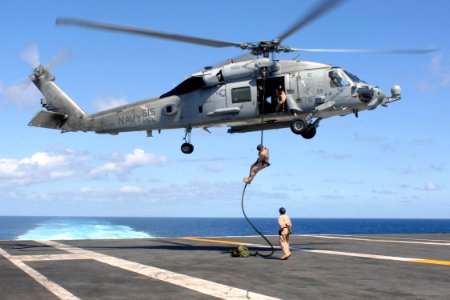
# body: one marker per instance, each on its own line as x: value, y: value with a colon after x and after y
x: 390, y: 162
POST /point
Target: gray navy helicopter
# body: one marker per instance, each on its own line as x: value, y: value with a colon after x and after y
x: 242, y: 95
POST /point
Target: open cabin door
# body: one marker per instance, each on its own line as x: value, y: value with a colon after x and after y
x: 267, y: 93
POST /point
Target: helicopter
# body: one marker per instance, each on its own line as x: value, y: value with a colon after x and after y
x: 242, y: 94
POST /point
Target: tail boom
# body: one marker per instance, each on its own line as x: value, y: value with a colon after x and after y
x: 62, y: 112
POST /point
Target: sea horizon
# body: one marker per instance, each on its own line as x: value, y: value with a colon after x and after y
x: 199, y: 217
x: 86, y: 227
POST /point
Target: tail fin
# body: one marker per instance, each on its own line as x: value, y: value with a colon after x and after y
x: 62, y: 112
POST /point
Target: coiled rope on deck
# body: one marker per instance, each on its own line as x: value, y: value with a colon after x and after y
x: 254, y: 227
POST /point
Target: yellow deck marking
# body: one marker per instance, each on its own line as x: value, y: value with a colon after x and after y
x: 432, y: 261
x: 360, y: 255
x: 214, y: 241
x: 199, y: 285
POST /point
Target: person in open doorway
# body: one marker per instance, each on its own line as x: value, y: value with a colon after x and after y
x: 281, y: 106
x: 285, y: 229
x: 261, y: 163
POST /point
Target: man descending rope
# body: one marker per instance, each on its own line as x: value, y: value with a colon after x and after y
x: 261, y: 163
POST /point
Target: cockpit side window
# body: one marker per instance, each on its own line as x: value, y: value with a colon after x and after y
x: 337, y: 79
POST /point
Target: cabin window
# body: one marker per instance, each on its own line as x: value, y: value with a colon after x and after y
x: 241, y: 94
x: 170, y: 109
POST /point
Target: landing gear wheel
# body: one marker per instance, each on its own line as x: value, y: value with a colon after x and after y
x: 309, y: 133
x: 187, y: 148
x: 298, y: 125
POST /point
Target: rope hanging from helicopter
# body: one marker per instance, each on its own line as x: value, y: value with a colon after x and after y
x: 262, y: 109
x: 245, y: 187
x: 263, y: 98
x: 256, y: 229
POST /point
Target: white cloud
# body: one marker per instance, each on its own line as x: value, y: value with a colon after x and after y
x: 442, y: 167
x: 2, y: 96
x: 430, y: 186
x: 122, y: 164
x: 422, y: 142
x: 104, y: 103
x: 190, y: 193
x: 39, y: 167
x: 440, y: 68
x: 193, y: 198
x: 439, y: 73
x: 426, y: 86
x: 327, y: 155
x: 213, y: 167
x: 129, y: 189
x: 370, y: 139
x: 59, y: 164
x: 341, y: 123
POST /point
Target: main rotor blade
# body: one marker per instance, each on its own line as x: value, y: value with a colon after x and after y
x: 146, y: 32
x: 315, y: 13
x: 372, y: 51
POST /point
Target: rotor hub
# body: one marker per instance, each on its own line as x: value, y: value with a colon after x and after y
x: 264, y: 48
x: 38, y: 71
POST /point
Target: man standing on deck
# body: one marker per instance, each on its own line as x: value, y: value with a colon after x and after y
x: 285, y: 225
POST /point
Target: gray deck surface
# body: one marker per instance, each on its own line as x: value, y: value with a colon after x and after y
x: 321, y: 267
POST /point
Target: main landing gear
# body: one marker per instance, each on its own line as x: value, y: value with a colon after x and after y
x: 302, y: 127
x: 187, y: 147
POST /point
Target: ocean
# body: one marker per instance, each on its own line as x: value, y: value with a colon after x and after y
x: 42, y: 228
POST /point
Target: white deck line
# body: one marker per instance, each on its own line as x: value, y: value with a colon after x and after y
x: 332, y: 252
x: 376, y: 240
x: 196, y: 284
x: 394, y: 237
x: 199, y: 285
x: 51, y: 286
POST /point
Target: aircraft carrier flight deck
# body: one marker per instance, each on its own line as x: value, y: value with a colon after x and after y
x: 321, y: 267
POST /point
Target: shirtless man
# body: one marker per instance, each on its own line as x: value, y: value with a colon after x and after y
x: 281, y: 106
x: 261, y: 163
x: 285, y: 225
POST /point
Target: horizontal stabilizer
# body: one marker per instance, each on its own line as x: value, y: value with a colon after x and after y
x: 48, y: 119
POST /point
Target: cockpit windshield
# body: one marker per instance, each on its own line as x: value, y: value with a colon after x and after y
x: 354, y: 78
x: 338, y: 79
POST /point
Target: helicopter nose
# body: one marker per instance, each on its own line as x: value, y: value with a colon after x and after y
x: 379, y: 94
x: 365, y: 93
x: 371, y: 95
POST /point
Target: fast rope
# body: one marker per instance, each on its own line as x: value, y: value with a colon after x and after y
x: 263, y: 99
x: 254, y: 227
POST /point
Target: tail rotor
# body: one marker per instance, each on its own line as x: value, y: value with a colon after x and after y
x: 30, y: 55
x: 23, y: 93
